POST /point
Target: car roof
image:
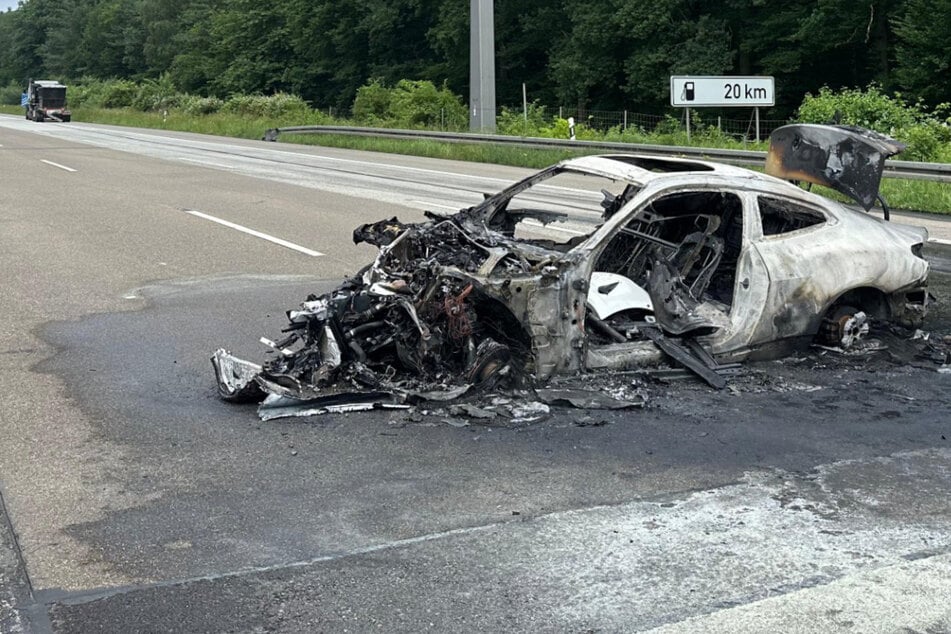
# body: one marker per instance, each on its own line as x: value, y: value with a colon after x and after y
x: 642, y: 168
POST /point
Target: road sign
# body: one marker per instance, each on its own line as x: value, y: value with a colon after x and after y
x: 704, y: 91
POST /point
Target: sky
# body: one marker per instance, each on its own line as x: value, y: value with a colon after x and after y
x: 7, y: 4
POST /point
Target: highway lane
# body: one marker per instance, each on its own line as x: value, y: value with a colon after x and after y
x: 408, y: 181
x: 81, y: 242
x: 139, y: 498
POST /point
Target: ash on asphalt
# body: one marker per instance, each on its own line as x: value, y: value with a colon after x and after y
x: 223, y: 491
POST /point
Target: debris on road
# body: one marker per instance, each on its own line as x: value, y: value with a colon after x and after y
x: 587, y: 399
x: 688, y: 263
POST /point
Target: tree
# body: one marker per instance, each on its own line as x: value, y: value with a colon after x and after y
x: 192, y: 68
x: 249, y: 48
x: 699, y: 45
x: 923, y: 53
x: 111, y: 44
x: 586, y: 62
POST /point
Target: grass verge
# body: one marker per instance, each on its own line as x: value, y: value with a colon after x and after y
x: 904, y: 194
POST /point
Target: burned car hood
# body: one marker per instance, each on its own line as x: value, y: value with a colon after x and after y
x: 847, y: 159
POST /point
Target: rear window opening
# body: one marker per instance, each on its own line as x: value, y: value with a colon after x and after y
x: 782, y: 216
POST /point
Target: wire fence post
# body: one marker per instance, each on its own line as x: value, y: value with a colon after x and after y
x: 525, y: 102
x: 756, y: 113
x: 625, y: 119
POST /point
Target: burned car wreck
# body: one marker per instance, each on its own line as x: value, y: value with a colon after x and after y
x: 595, y: 264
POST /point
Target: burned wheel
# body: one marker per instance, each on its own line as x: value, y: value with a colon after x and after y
x: 843, y: 326
x: 490, y: 364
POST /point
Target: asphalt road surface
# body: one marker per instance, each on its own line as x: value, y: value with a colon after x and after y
x: 810, y: 497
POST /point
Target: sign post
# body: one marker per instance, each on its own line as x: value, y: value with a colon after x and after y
x: 722, y: 92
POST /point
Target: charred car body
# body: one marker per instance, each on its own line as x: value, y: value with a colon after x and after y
x: 627, y: 260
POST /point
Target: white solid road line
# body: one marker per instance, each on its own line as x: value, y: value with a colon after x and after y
x: 204, y: 163
x: 257, y: 234
x: 429, y: 204
x: 62, y: 167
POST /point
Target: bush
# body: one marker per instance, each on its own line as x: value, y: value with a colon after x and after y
x: 271, y: 106
x: 372, y: 103
x: 869, y: 108
x: 420, y: 104
x: 117, y: 93
x: 924, y: 132
x: 155, y: 95
x: 10, y: 94
x: 513, y: 121
x: 410, y: 104
x: 195, y: 106
x: 95, y: 93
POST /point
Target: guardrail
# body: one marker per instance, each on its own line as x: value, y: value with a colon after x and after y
x: 911, y: 170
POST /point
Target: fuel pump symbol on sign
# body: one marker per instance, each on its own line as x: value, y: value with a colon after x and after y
x: 688, y: 92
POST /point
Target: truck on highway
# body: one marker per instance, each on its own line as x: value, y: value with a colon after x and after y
x: 45, y: 99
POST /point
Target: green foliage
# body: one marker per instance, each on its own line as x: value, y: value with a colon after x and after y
x: 409, y: 104
x: 923, y: 53
x: 279, y: 105
x: 111, y: 93
x: 925, y: 132
x: 195, y: 106
x: 156, y: 95
x: 928, y: 140
x: 669, y: 125
x: 10, y: 94
x: 421, y: 104
x: 598, y: 55
x: 372, y: 103
x: 518, y: 122
x: 870, y: 108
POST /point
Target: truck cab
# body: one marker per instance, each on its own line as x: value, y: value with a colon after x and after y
x: 46, y: 100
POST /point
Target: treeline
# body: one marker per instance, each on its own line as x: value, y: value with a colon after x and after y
x: 600, y: 54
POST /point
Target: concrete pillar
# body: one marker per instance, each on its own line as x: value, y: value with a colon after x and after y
x: 482, y: 66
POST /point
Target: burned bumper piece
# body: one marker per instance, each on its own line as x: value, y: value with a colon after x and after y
x: 847, y: 159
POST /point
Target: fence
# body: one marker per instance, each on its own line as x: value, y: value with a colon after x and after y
x: 603, y: 120
x: 675, y: 120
